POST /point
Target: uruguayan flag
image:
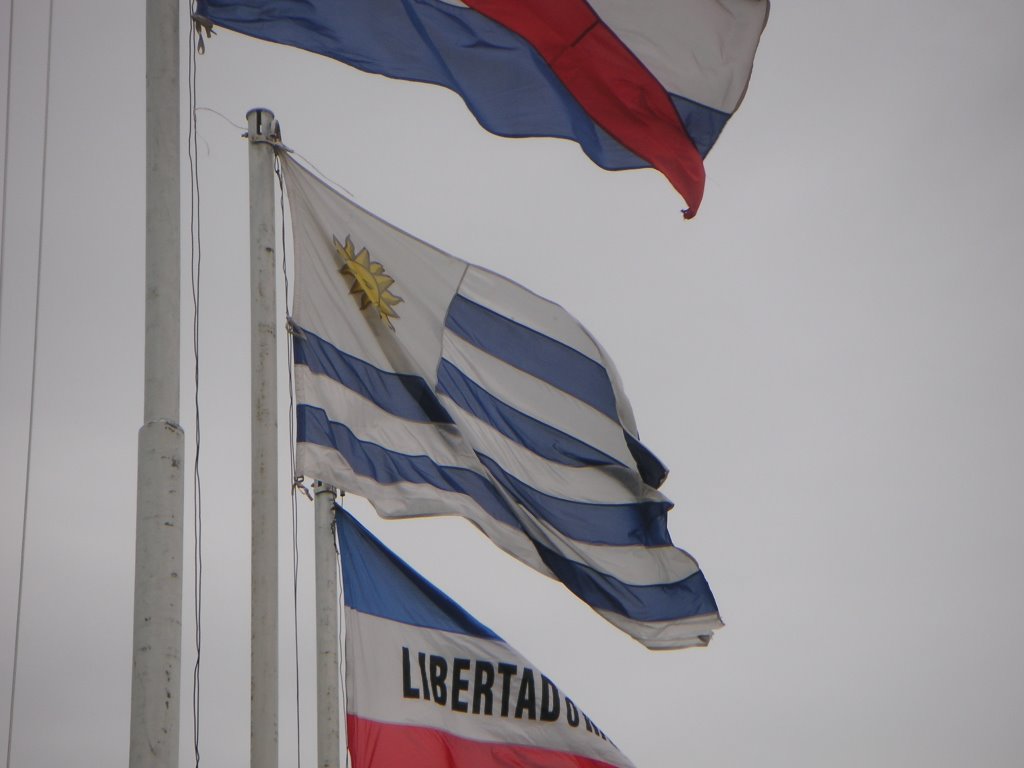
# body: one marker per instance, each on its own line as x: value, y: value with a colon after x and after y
x: 434, y: 387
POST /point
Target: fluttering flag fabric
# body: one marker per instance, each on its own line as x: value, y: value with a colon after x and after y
x: 434, y: 387
x: 427, y: 685
x: 637, y: 83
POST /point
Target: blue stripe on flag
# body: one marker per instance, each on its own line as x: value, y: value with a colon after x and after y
x: 703, y: 124
x: 379, y: 583
x: 388, y: 467
x: 549, y: 360
x: 404, y: 395
x: 652, y: 471
x: 643, y: 523
x: 533, y: 434
x: 661, y: 602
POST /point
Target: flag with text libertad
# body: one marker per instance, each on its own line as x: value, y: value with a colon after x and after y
x: 427, y: 685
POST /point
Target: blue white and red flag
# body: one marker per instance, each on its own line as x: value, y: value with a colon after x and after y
x: 427, y: 685
x: 637, y: 83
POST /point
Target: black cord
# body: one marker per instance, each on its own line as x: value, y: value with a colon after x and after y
x: 7, y: 147
x: 295, y: 481
x: 196, y: 271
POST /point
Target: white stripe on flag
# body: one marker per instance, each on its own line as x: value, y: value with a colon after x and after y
x: 511, y: 300
x: 440, y: 443
x: 375, y: 685
x: 635, y: 565
x: 538, y: 399
x: 702, y: 49
x: 694, y: 632
x: 595, y: 485
x: 402, y: 499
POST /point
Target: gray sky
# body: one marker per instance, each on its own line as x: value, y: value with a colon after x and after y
x: 829, y: 358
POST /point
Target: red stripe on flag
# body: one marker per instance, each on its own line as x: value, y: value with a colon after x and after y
x: 386, y: 745
x: 610, y: 83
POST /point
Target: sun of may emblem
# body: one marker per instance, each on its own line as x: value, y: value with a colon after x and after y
x: 369, y: 281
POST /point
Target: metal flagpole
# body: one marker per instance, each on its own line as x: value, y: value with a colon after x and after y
x: 263, y: 135
x: 328, y: 728
x: 156, y: 639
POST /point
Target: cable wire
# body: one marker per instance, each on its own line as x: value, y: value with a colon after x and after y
x: 296, y: 481
x: 323, y: 175
x: 7, y: 143
x: 222, y: 116
x: 342, y: 658
x: 32, y: 390
x: 196, y: 250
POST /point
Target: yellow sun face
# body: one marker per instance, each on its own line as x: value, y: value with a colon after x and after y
x: 369, y: 281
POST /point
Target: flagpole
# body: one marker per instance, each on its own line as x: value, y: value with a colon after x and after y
x: 156, y: 636
x: 263, y: 135
x: 328, y: 723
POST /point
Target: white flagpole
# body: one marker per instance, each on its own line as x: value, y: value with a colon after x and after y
x: 156, y: 639
x: 328, y: 723
x: 263, y: 746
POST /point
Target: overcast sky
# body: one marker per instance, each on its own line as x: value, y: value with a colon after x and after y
x: 830, y: 358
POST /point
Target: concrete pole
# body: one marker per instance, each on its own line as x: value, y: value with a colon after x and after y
x: 156, y: 639
x: 328, y: 723
x: 264, y: 670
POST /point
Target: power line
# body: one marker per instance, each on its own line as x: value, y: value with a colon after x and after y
x: 32, y: 395
x: 7, y: 142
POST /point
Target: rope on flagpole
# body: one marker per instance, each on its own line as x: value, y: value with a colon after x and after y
x: 296, y: 482
x: 342, y: 657
x: 330, y: 718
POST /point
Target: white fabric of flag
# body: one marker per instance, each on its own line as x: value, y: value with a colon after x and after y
x: 431, y: 386
x: 427, y: 685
